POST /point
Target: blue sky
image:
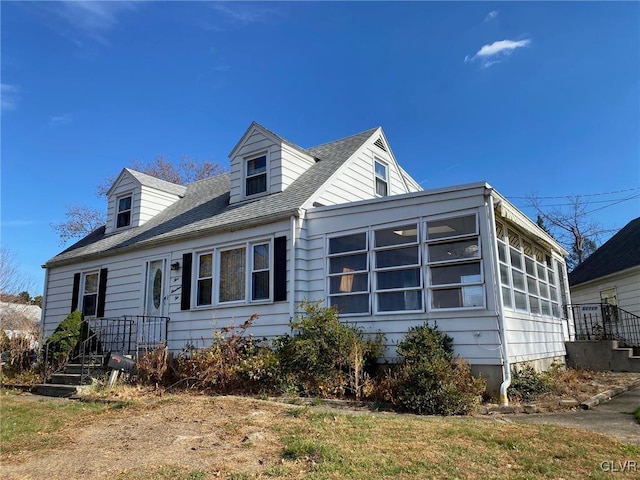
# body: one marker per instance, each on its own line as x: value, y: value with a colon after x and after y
x: 531, y: 97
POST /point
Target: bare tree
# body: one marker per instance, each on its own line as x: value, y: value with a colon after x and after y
x: 82, y: 220
x: 12, y: 280
x: 571, y: 226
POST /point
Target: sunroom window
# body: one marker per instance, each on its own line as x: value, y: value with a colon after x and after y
x: 397, y: 269
x: 455, y: 270
x: 528, y: 280
x: 256, y: 175
x: 348, y: 273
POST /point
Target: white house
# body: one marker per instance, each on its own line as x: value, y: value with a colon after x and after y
x: 612, y: 273
x: 341, y: 222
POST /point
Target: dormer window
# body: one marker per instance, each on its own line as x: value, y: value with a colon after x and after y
x: 123, y: 218
x: 256, y: 179
x: 382, y: 183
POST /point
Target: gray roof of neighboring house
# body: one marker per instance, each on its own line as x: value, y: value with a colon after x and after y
x: 620, y: 252
x: 205, y: 208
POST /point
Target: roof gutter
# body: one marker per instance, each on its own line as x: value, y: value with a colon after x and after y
x: 231, y: 227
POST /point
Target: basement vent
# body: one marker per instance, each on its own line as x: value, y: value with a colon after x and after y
x: 380, y: 144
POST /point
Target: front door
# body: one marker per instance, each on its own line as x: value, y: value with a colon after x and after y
x: 155, y: 297
x: 151, y: 326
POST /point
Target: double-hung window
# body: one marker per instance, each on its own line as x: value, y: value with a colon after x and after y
x: 455, y: 269
x: 90, y: 294
x: 123, y: 217
x: 381, y: 178
x: 260, y: 272
x: 256, y: 175
x: 349, y: 273
x: 204, y: 290
x: 397, y: 269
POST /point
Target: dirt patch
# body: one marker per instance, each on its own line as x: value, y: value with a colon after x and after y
x: 217, y: 435
x: 570, y: 388
x: 221, y: 434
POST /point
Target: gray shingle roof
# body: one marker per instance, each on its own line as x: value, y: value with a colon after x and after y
x: 156, y: 183
x: 620, y: 252
x: 205, y: 208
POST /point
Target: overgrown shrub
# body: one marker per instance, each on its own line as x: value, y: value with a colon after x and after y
x: 234, y: 363
x: 527, y: 384
x: 324, y: 357
x: 431, y: 379
x: 66, y: 337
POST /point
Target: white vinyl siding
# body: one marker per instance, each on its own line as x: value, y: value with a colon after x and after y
x: 626, y: 284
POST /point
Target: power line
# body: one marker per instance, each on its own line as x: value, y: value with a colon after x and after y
x: 579, y: 195
x: 522, y: 205
x: 614, y: 203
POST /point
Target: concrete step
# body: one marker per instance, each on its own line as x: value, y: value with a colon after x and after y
x: 78, y: 368
x: 51, y: 390
x: 65, y: 379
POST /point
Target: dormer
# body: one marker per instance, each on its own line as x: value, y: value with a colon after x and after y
x: 263, y: 163
x: 135, y: 197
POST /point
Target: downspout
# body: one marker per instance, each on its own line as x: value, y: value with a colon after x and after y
x: 506, y: 367
x: 292, y: 267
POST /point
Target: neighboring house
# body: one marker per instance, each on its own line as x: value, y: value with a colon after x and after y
x: 16, y: 315
x: 611, y: 274
x: 341, y: 222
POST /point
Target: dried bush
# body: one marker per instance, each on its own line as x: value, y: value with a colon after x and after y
x: 17, y: 353
x: 151, y: 366
x: 234, y: 363
x: 431, y: 379
x: 324, y: 357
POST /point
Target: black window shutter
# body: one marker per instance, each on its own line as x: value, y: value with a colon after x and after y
x: 102, y: 292
x: 185, y: 301
x: 75, y: 293
x: 280, y: 269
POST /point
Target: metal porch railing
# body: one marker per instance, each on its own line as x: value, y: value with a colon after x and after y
x: 125, y: 335
x: 603, y: 321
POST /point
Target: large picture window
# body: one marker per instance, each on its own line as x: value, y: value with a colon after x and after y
x: 232, y: 275
x: 455, y: 269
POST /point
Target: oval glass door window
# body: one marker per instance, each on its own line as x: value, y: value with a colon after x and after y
x: 157, y: 289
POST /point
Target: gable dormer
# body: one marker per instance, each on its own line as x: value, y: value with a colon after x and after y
x: 135, y: 197
x: 263, y: 163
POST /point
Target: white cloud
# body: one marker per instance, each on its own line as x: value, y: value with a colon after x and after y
x: 496, y: 52
x: 92, y: 19
x: 492, y: 15
x: 243, y: 13
x: 58, y: 120
x: 10, y: 96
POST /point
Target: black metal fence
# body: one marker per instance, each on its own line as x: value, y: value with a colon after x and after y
x: 602, y: 321
x: 129, y: 334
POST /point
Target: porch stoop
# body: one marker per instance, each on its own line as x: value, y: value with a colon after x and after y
x: 601, y: 356
x: 72, y: 380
